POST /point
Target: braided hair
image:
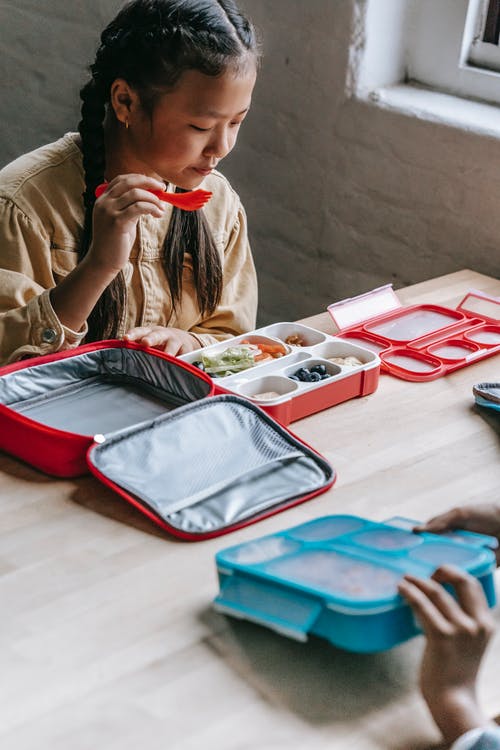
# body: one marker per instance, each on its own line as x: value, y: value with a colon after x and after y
x: 150, y: 44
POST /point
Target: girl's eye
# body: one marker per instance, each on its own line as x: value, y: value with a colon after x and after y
x: 200, y: 130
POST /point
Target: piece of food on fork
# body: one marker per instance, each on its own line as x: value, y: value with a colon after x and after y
x: 191, y: 200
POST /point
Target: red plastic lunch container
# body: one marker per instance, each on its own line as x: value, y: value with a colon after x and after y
x: 420, y: 342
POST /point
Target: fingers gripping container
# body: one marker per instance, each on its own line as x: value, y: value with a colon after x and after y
x: 147, y: 426
x: 420, y: 342
x: 350, y: 370
x: 336, y: 577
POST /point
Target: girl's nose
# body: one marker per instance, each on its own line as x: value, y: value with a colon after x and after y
x: 220, y: 144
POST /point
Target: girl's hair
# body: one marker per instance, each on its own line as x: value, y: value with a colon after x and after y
x: 150, y: 44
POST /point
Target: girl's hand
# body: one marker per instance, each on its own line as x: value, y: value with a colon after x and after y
x: 483, y: 518
x: 171, y: 340
x: 457, y: 635
x: 115, y: 218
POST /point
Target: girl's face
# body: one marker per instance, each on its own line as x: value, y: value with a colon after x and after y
x: 190, y: 129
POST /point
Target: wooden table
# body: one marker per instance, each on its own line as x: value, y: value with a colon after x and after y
x: 108, y: 639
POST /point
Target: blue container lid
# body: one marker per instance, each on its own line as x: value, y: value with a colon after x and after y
x: 345, y: 563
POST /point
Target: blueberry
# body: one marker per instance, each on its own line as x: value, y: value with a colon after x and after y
x: 302, y: 374
x: 294, y: 377
x: 199, y: 365
x: 314, y: 376
x: 320, y: 369
x: 325, y: 376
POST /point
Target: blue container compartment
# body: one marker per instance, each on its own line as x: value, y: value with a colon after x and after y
x: 344, y: 577
x: 459, y: 535
x: 328, y: 527
x: 337, y: 576
x: 387, y: 540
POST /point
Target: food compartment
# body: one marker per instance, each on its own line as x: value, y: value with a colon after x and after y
x: 237, y: 355
x: 266, y: 389
x: 274, y: 367
x: 312, y: 372
x: 320, y: 385
x: 327, y: 528
x: 438, y: 553
x: 295, y: 334
x: 386, y: 539
x: 403, y: 361
x: 488, y: 335
x: 337, y: 574
x: 454, y: 349
x: 259, y: 550
x: 413, y: 324
x: 344, y: 354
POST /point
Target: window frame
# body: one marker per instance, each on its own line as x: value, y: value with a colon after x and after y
x: 486, y: 53
x: 444, y: 50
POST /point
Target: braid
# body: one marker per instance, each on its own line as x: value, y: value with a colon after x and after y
x: 92, y: 134
x: 241, y: 25
x: 101, y: 323
x: 150, y: 44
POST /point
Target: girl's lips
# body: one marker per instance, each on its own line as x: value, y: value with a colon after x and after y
x: 204, y: 172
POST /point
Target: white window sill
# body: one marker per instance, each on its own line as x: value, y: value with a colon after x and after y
x: 417, y: 101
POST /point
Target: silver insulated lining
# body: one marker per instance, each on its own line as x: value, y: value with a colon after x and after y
x: 100, y: 391
x: 211, y: 464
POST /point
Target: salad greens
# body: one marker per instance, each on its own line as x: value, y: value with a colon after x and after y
x: 231, y: 360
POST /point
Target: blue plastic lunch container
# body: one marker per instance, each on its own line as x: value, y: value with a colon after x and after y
x: 336, y: 577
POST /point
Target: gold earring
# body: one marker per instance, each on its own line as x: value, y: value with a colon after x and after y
x: 126, y: 124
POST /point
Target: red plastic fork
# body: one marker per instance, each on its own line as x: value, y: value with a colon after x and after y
x: 189, y: 201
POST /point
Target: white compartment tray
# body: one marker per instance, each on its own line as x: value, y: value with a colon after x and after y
x: 304, y: 347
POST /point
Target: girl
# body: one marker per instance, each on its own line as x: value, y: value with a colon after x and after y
x: 170, y: 86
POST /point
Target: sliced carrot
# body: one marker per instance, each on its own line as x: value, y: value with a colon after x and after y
x: 272, y: 348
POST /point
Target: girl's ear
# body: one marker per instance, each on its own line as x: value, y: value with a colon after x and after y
x: 124, y: 100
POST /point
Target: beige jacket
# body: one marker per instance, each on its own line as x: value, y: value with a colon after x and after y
x: 41, y: 216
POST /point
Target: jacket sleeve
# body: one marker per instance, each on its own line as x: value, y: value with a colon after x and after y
x: 237, y: 310
x: 28, y: 324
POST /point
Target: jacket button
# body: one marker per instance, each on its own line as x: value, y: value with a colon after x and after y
x: 49, y: 335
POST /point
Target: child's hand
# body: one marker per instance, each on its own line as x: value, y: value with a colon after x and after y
x: 115, y: 218
x: 483, y: 518
x: 457, y: 635
x: 171, y: 340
